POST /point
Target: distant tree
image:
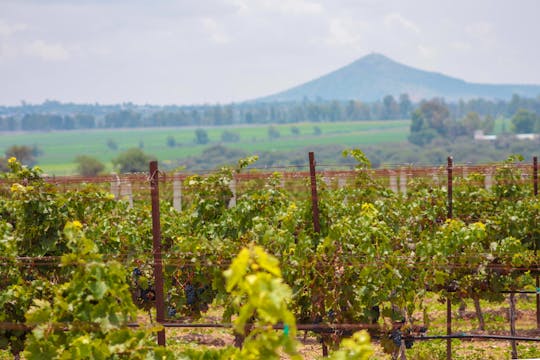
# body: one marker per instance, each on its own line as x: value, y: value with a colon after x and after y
x: 524, y: 122
x: 23, y: 153
x: 124, y: 118
x: 201, y: 136
x: 317, y: 130
x: 273, y: 132
x: 390, y: 108
x: 88, y: 165
x: 132, y: 160
x: 405, y: 106
x: 295, y: 130
x: 111, y: 144
x: 488, y: 124
x: 171, y: 142
x: 85, y: 121
x: 422, y: 137
x: 3, y: 165
x: 229, y: 136
x: 431, y: 119
x: 472, y: 122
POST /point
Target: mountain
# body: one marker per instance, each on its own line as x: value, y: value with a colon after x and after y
x: 374, y: 76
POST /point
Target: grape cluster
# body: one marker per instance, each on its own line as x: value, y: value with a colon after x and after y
x: 396, y: 336
x: 197, y: 297
x: 191, y: 294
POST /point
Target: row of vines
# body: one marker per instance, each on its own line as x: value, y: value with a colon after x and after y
x: 375, y: 259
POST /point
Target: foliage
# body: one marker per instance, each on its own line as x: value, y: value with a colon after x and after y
x: 88, y: 165
x: 376, y: 258
x: 525, y: 122
x: 273, y: 132
x: 432, y: 118
x: 229, y: 136
x: 254, y: 281
x: 88, y: 316
x: 25, y: 154
x: 171, y: 141
x: 201, y: 137
x: 132, y: 160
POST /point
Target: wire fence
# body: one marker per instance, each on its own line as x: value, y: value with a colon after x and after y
x: 301, y: 183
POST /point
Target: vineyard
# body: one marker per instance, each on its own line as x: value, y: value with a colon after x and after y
x: 108, y: 267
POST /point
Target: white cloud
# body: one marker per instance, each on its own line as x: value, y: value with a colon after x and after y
x: 7, y: 29
x: 460, y: 45
x: 287, y: 7
x: 296, y: 7
x: 394, y: 19
x: 47, y: 51
x: 427, y: 52
x: 480, y: 30
x: 215, y: 31
x: 343, y: 31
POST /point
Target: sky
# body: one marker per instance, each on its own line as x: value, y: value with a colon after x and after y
x: 219, y: 51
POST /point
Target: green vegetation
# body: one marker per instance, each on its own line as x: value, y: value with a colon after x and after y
x: 89, y: 166
x: 59, y: 149
x: 380, y: 258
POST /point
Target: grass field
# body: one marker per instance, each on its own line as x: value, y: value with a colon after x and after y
x: 61, y: 147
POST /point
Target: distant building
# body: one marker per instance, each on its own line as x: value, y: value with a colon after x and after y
x: 526, y: 136
x: 479, y: 135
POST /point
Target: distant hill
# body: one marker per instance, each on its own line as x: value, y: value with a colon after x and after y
x: 374, y: 76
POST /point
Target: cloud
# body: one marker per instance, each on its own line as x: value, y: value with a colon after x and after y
x: 394, y: 19
x: 460, y: 45
x: 480, y: 30
x: 427, y: 51
x: 286, y: 7
x: 343, y: 31
x: 7, y: 29
x: 47, y: 51
x: 215, y: 31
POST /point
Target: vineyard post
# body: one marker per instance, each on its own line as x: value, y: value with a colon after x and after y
x: 156, y: 237
x: 535, y: 187
x: 448, y: 300
x: 512, y: 316
x: 316, y: 223
x: 177, y: 192
x: 314, y: 195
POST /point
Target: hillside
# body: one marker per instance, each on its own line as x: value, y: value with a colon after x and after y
x: 374, y: 76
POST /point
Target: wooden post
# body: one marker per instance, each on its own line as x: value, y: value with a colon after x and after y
x: 126, y: 193
x: 393, y: 182
x: 535, y: 189
x: 448, y: 300
x: 488, y: 180
x: 232, y: 186
x: 316, y: 226
x: 115, y: 188
x: 177, y: 192
x: 403, y: 181
x: 156, y: 237
x: 512, y: 317
x: 314, y: 195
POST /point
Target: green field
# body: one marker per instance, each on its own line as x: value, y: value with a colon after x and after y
x: 61, y: 147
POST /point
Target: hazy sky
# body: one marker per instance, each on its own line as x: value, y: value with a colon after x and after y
x: 208, y: 51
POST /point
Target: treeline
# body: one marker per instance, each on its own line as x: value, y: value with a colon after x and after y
x: 53, y: 115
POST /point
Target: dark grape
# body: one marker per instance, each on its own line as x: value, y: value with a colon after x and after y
x: 331, y: 315
x: 191, y: 294
x: 137, y: 272
x: 171, y: 311
x: 409, y: 343
x: 148, y: 295
x: 396, y: 337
